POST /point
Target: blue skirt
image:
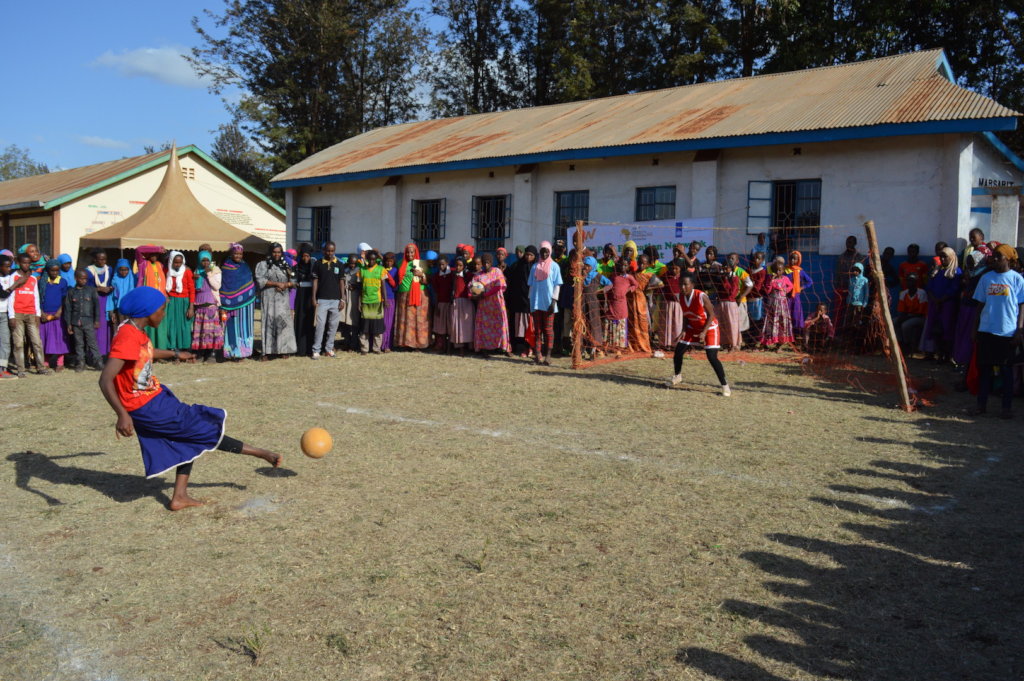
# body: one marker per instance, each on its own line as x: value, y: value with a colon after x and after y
x: 172, y: 433
x: 755, y: 309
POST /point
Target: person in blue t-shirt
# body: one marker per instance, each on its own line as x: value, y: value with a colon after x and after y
x: 545, y: 280
x: 1000, y: 326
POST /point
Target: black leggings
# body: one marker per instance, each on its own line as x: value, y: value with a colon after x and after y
x: 716, y: 364
x: 227, y: 444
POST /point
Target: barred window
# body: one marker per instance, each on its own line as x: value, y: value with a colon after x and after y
x: 570, y: 207
x: 655, y: 203
x: 428, y: 223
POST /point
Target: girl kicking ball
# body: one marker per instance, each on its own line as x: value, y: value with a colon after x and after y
x: 171, y: 434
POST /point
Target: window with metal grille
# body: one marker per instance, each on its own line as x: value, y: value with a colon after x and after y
x: 570, y: 207
x: 492, y: 221
x: 655, y: 203
x: 790, y: 211
x: 428, y: 223
x: 41, y: 235
x: 313, y: 225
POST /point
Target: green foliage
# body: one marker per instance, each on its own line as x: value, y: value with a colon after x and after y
x: 312, y: 72
x: 233, y: 150
x: 16, y: 162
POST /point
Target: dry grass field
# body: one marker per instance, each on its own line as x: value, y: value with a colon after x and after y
x: 486, y: 519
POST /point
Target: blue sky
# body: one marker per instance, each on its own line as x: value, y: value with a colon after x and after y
x: 87, y: 82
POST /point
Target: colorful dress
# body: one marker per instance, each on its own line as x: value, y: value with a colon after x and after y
x: 207, y: 331
x: 671, y: 322
x: 940, y: 324
x: 639, y: 324
x: 276, y: 329
x: 175, y: 332
x: 371, y: 300
x: 389, y: 308
x: 101, y: 276
x: 490, y: 331
x: 237, y: 296
x: 412, y: 308
x: 778, y: 324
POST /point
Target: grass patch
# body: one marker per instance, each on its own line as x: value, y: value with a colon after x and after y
x: 509, y: 521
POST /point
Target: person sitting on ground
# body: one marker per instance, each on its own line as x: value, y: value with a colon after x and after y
x: 818, y: 330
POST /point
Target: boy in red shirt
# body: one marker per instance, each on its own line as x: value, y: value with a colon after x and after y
x: 171, y: 434
x: 23, y: 311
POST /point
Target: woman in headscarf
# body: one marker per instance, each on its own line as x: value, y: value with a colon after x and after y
x: 150, y: 272
x: 100, y: 275
x: 778, y: 324
x: 67, y: 272
x: 636, y: 301
x: 237, y: 296
x: 593, y: 283
x: 274, y: 280
x: 305, y: 315
x: 171, y: 434
x: 801, y: 282
x: 122, y: 282
x: 207, y: 330
x: 967, y: 316
x: 491, y: 325
x: 502, y: 254
x: 175, y: 333
x: 412, y: 305
x: 943, y: 291
x: 52, y: 289
x: 545, y: 282
x: 630, y: 255
x: 517, y: 300
x: 39, y: 260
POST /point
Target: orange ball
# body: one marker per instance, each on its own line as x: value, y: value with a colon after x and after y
x: 316, y: 442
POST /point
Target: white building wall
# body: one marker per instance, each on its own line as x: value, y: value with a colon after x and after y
x: 219, y: 194
x: 994, y: 206
x: 915, y: 188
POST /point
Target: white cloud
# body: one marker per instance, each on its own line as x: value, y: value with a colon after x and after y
x: 102, y: 142
x: 165, y: 64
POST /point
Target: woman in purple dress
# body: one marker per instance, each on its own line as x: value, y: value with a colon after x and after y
x: 943, y: 302
x: 801, y: 281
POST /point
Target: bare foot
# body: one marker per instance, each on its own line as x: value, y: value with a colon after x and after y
x: 178, y: 503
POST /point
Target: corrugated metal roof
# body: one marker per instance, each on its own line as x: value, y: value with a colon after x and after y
x: 906, y: 88
x: 46, y: 188
x: 52, y: 189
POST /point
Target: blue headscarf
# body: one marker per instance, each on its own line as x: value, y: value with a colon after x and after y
x: 121, y: 285
x: 141, y: 302
x: 594, y: 272
x: 200, y: 271
x: 69, y: 275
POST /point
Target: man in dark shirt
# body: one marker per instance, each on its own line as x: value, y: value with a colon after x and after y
x: 328, y: 300
x: 81, y: 304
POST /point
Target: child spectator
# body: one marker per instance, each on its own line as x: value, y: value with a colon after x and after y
x: 818, y: 330
x: 52, y: 332
x: 81, y: 312
x: 441, y: 284
x: 6, y: 284
x: 615, y: 332
x: 910, y: 313
x: 24, y: 311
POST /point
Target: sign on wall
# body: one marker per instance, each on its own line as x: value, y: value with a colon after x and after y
x: 662, y: 234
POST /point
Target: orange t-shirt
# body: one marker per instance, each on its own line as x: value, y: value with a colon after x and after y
x: 135, y: 383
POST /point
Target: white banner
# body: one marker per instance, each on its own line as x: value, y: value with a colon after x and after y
x: 662, y: 234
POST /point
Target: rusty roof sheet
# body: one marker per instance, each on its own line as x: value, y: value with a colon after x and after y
x: 906, y: 88
x: 51, y: 186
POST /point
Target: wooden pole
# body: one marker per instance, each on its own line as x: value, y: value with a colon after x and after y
x: 895, y: 353
x: 576, y: 273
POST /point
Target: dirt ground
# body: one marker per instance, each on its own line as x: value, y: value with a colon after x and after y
x: 485, y: 519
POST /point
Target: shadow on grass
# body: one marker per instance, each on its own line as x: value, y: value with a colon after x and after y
x: 927, y: 587
x: 116, y: 486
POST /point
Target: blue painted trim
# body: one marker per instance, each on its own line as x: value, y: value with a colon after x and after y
x: 943, y: 67
x: 1013, y: 158
x: 981, y: 209
x: 796, y: 137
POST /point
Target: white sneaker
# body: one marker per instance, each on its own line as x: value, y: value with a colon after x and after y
x: 726, y: 391
x: 676, y: 380
x: 659, y: 354
x: 316, y: 355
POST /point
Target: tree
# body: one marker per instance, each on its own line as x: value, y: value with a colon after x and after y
x: 312, y: 72
x: 477, y: 67
x: 15, y: 162
x: 153, y: 148
x: 233, y: 150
